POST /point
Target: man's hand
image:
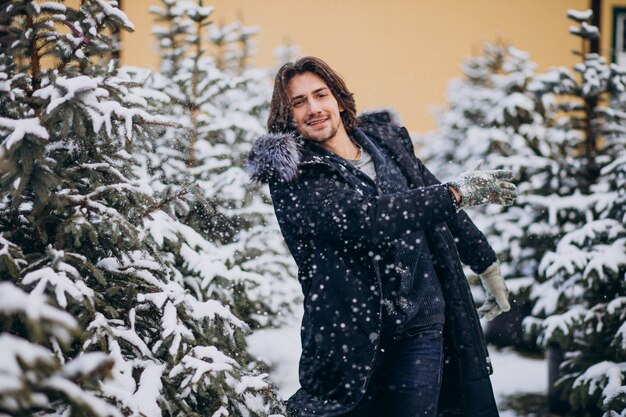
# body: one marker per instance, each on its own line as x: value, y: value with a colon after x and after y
x: 482, y: 187
x: 497, y: 294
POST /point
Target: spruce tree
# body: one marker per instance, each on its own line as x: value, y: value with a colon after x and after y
x: 563, y: 136
x: 492, y: 116
x: 109, y: 324
x: 581, y: 294
x: 220, y: 102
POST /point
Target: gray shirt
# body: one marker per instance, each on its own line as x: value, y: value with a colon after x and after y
x: 365, y: 164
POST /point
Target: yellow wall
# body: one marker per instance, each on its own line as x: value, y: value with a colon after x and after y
x: 398, y: 53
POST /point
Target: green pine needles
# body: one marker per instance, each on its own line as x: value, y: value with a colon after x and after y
x: 106, y: 300
x: 563, y: 244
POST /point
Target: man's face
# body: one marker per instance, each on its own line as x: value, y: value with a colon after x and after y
x: 314, y: 109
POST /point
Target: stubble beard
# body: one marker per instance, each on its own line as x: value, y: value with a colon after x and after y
x: 323, y: 139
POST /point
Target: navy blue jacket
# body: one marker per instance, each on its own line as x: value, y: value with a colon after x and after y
x: 336, y: 225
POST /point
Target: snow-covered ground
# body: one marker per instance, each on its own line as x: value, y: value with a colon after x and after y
x: 515, y: 374
x: 280, y: 348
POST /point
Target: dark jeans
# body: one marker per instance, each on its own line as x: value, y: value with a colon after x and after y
x: 407, y: 376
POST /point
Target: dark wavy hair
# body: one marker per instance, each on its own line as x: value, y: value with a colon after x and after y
x: 280, y: 121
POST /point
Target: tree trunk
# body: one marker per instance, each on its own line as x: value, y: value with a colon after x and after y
x: 596, y: 7
x: 556, y: 403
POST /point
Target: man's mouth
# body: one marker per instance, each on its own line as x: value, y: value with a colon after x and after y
x: 316, y: 122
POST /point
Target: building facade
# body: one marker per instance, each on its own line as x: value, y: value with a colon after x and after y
x: 399, y: 53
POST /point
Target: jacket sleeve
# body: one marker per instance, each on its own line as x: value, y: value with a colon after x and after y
x: 474, y: 249
x: 472, y: 245
x: 328, y: 208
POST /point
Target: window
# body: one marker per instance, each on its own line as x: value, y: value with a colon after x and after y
x: 619, y: 36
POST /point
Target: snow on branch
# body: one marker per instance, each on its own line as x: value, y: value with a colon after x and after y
x: 102, y: 166
x: 212, y: 308
x: 85, y: 364
x: 585, y: 30
x: 558, y: 81
x: 20, y: 128
x: 34, y: 306
x: 560, y: 324
x: 580, y: 15
x: 76, y: 394
x: 607, y: 258
x: 162, y: 227
x: 102, y: 326
x: 32, y: 377
x: 172, y: 295
x: 577, y: 201
x: 253, y: 382
x: 120, y: 188
x: 90, y: 93
x: 579, y: 252
x: 85, y: 201
x: 11, y: 252
x: 605, y: 376
x: 620, y: 335
x: 569, y: 260
x: 198, y: 365
x: 65, y: 89
x: 510, y: 105
x: 546, y: 298
x: 16, y: 354
x: 64, y: 281
x: 110, y: 10
x: 590, y: 232
x: 149, y: 390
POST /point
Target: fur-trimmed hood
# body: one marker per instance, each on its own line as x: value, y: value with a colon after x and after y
x: 278, y: 155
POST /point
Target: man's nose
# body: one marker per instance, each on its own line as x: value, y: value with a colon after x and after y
x: 314, y: 106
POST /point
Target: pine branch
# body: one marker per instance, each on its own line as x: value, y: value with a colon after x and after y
x: 174, y: 396
x: 163, y: 203
x: 84, y: 40
x: 145, y: 122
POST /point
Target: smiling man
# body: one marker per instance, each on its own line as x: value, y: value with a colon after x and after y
x: 389, y: 326
x: 315, y: 111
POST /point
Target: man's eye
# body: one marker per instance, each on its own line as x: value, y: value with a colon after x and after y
x: 297, y: 103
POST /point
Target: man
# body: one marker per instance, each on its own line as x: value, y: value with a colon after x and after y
x: 389, y: 327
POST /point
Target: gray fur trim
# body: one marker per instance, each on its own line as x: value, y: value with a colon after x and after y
x: 275, y: 155
x: 278, y: 156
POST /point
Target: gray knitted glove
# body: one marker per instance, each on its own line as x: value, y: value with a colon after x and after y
x: 497, y: 294
x: 482, y: 187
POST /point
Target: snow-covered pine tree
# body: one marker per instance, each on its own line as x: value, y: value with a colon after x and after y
x: 580, y: 300
x: 565, y: 140
x: 220, y: 103
x: 491, y: 116
x: 33, y: 333
x: 233, y: 46
x: 286, y: 52
x: 77, y: 226
x: 471, y: 124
